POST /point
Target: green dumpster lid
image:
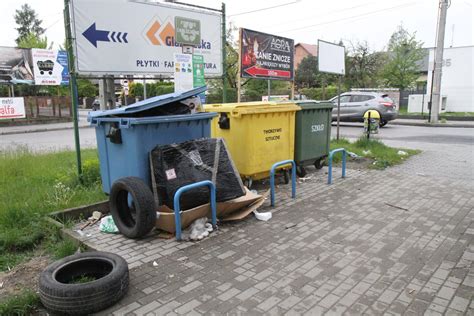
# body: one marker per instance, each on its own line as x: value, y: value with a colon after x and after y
x: 311, y: 104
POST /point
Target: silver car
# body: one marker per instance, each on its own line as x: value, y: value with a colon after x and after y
x: 355, y: 104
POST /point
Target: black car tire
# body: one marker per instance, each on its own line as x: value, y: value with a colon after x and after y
x: 139, y: 219
x: 59, y: 296
x: 383, y: 123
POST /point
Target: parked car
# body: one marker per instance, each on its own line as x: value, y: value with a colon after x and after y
x: 355, y: 104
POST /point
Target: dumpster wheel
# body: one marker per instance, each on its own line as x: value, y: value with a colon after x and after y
x: 137, y: 217
x: 248, y: 182
x: 286, y: 176
x: 301, y: 171
x: 318, y: 164
x: 83, y: 283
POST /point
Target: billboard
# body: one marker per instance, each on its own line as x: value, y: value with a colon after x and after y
x: 183, y: 72
x: 11, y: 108
x: 331, y: 58
x: 15, y: 65
x: 265, y: 56
x: 50, y: 67
x: 131, y: 38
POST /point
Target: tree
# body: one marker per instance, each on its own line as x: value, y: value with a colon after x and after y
x: 307, y: 74
x: 404, y: 53
x: 28, y: 22
x: 85, y: 88
x: 363, y: 67
x: 32, y: 40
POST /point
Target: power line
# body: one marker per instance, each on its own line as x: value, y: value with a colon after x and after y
x: 354, y: 16
x: 323, y: 14
x: 263, y: 9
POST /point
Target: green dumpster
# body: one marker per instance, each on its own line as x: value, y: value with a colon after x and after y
x: 313, y: 134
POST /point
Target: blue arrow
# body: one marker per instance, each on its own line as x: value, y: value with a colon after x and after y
x: 118, y: 37
x: 112, y: 36
x: 93, y: 35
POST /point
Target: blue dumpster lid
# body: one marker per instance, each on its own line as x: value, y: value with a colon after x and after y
x: 149, y: 103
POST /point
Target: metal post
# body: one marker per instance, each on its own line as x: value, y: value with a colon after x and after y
x: 144, y: 89
x: 269, y: 85
x: 338, y: 106
x: 224, y: 71
x: 292, y: 96
x: 73, y: 85
x: 438, y: 61
x: 368, y: 126
x: 239, y: 65
x: 103, y: 94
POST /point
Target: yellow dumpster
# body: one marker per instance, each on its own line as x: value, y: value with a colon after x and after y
x: 258, y: 134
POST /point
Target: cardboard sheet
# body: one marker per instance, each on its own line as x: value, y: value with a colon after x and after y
x: 231, y: 210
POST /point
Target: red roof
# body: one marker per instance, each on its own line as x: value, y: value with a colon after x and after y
x: 311, y: 49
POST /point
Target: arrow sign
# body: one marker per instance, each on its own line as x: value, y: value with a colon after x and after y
x: 255, y: 71
x: 93, y: 35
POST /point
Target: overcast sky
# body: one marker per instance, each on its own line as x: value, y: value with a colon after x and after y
x: 304, y: 20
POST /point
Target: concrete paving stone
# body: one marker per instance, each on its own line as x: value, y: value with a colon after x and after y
x: 228, y: 294
x: 446, y: 293
x: 460, y: 304
x: 289, y: 302
x: 329, y: 300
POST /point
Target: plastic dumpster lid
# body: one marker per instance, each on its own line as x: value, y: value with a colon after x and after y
x: 149, y: 103
x: 312, y: 104
x: 259, y: 107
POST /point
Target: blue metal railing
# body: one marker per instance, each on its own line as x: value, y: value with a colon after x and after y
x: 177, y: 207
x: 272, y: 178
x: 331, y: 154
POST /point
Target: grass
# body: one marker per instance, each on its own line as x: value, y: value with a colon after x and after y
x: 21, y: 304
x: 382, y: 155
x: 82, y: 279
x: 33, y: 185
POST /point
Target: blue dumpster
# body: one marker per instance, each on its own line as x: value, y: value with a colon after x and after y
x: 125, y: 136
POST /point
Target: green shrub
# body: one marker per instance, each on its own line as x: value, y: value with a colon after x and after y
x: 20, y: 304
x: 91, y: 172
x: 317, y: 93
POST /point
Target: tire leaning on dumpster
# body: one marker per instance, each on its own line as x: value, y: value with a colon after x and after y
x: 138, y: 219
x: 83, y: 283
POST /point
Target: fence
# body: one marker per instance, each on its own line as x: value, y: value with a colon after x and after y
x: 48, y: 107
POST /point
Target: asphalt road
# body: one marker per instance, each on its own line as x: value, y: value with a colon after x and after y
x: 418, y: 137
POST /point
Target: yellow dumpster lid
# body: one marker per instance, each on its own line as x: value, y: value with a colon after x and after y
x: 237, y: 109
x: 373, y: 114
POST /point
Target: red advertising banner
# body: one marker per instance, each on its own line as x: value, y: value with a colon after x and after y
x: 265, y: 56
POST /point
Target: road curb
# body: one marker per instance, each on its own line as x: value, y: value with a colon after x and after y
x: 460, y: 125
x: 41, y: 130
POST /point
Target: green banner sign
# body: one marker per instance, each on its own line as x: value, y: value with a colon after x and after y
x: 187, y: 31
x: 198, y: 71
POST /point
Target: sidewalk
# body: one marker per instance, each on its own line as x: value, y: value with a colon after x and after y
x: 389, y: 242
x: 9, y: 130
x: 412, y: 122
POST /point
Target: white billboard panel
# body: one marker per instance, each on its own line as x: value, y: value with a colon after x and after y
x: 133, y: 38
x: 11, y: 108
x: 50, y: 67
x: 331, y: 58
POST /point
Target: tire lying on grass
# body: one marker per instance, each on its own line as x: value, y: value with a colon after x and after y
x: 132, y: 207
x: 83, y: 283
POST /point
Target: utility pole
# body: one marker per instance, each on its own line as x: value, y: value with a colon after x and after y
x: 438, y: 62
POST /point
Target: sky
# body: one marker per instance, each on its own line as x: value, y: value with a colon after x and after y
x: 302, y: 20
